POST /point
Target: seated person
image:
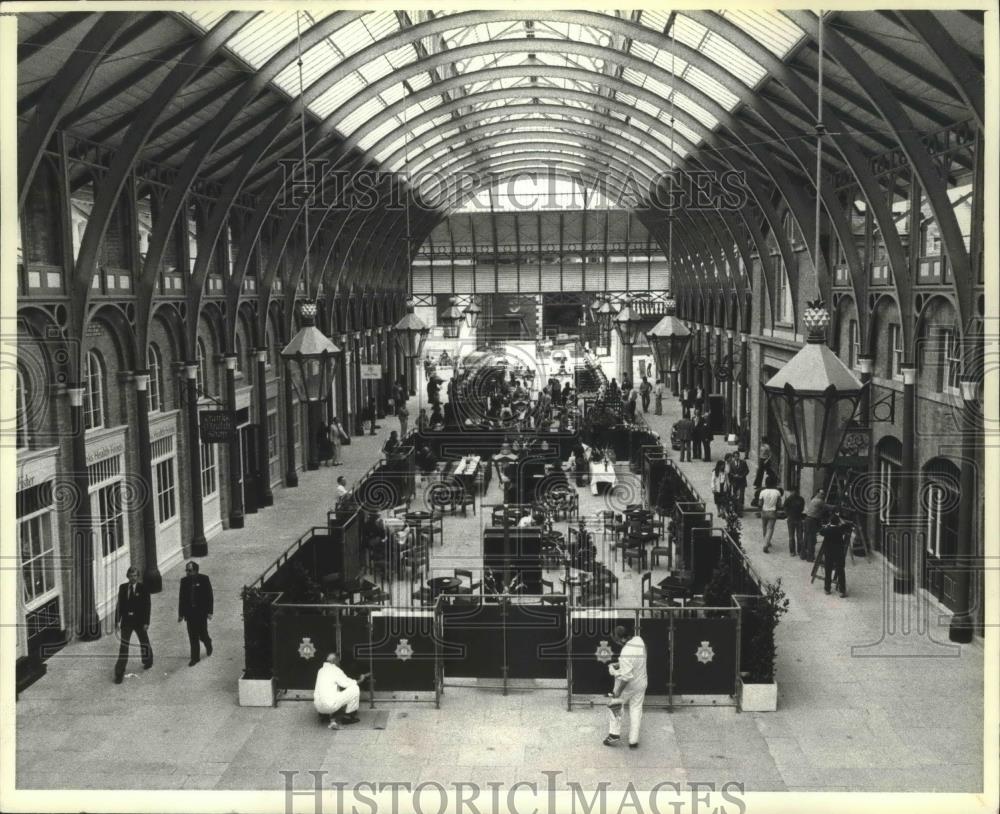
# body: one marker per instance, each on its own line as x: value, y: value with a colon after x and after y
x: 437, y: 418
x: 426, y: 460
x: 392, y: 444
x: 529, y: 520
x: 336, y: 691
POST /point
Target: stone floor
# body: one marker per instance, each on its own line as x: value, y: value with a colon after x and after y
x: 862, y: 706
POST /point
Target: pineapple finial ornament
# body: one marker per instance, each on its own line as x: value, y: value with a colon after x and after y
x: 816, y: 320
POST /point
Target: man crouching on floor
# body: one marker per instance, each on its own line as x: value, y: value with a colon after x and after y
x: 336, y: 691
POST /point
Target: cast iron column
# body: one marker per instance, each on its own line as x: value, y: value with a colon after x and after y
x: 151, y: 573
x: 706, y: 372
x: 264, y: 496
x: 235, y: 459
x: 199, y: 545
x: 962, y: 623
x: 905, y: 570
x: 291, y: 475
x: 731, y: 415
x: 745, y: 384
x: 88, y: 626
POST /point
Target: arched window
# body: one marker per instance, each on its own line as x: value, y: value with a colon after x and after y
x: 238, y: 351
x: 22, y: 439
x: 201, y: 356
x: 155, y: 364
x: 93, y: 396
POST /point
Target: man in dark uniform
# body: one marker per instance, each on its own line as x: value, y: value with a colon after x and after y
x: 132, y: 614
x: 195, y: 605
x: 836, y: 535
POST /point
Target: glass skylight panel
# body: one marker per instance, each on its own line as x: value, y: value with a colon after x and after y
x: 205, y: 19
x: 382, y: 130
x: 712, y: 87
x: 656, y: 20
x: 264, y: 36
x: 375, y: 70
x: 772, y: 29
x: 419, y: 81
x: 360, y: 115
x: 702, y: 115
x: 315, y: 62
x: 343, y: 90
x: 733, y: 59
x: 646, y: 107
x: 688, y: 31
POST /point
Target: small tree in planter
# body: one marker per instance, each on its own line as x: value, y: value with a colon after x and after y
x: 760, y: 691
x: 719, y: 590
x: 256, y: 687
x: 734, y: 524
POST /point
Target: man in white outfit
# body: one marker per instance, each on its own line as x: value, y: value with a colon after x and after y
x: 336, y: 691
x: 630, y: 687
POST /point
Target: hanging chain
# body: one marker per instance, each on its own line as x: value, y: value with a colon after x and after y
x: 302, y: 124
x: 819, y: 137
x: 673, y: 167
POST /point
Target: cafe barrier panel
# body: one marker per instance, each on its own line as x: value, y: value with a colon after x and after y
x: 693, y: 654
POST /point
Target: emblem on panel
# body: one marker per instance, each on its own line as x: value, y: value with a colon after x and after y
x: 705, y: 653
x: 307, y: 649
x: 404, y: 651
x: 604, y: 654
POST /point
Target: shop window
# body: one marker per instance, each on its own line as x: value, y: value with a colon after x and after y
x: 93, y: 396
x: 21, y: 430
x: 109, y: 522
x: 163, y: 460
x: 949, y: 362
x: 154, y: 363
x: 209, y: 471
x: 894, y: 369
x: 192, y: 236
x: 38, y: 559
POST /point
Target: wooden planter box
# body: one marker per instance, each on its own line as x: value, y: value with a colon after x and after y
x: 759, y: 697
x: 256, y: 692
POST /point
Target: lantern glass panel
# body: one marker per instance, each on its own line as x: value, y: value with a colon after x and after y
x: 812, y: 426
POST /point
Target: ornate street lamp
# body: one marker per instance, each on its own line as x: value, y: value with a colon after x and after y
x: 310, y: 358
x: 814, y: 396
x: 472, y: 313
x: 451, y: 319
x: 670, y: 341
x: 411, y: 333
x: 627, y: 323
x: 606, y: 314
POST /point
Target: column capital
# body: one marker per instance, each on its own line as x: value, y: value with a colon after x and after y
x: 909, y: 374
x: 729, y: 334
x: 865, y: 364
x: 75, y: 396
x: 261, y: 355
x: 970, y: 390
x: 191, y: 370
x: 141, y: 379
x: 230, y: 360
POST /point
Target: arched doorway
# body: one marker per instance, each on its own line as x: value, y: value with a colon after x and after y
x: 939, y: 504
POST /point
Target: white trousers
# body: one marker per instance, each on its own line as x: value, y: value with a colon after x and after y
x: 348, y: 700
x: 631, y: 701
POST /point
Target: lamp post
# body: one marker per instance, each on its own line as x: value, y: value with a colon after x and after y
x: 310, y: 360
x: 627, y: 323
x: 605, y: 315
x: 814, y: 396
x: 670, y: 340
x: 451, y: 319
x: 472, y: 313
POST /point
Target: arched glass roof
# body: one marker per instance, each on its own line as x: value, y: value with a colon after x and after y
x: 405, y: 101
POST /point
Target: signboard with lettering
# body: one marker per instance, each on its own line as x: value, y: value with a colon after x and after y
x: 217, y: 426
x: 370, y: 372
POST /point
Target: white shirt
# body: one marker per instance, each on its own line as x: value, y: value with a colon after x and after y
x: 526, y: 522
x: 631, y: 666
x: 330, y: 680
x: 341, y: 490
x: 769, y: 499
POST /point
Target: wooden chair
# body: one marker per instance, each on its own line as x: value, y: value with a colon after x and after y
x: 653, y: 596
x: 635, y: 551
x: 661, y: 550
x: 548, y: 583
x: 592, y: 594
x: 422, y: 596
x: 471, y: 587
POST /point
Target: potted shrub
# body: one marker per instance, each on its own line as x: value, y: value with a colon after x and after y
x: 719, y: 590
x: 759, y: 689
x: 256, y: 685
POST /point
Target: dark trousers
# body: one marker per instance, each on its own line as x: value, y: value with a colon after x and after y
x: 645, y: 402
x: 796, y: 536
x: 685, y: 450
x: 707, y: 449
x: 738, y: 492
x: 197, y: 632
x: 145, y: 648
x: 833, y: 565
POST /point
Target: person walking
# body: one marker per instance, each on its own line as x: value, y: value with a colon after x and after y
x: 685, y: 434
x: 706, y: 436
x: 770, y: 499
x: 686, y: 401
x: 836, y: 535
x: 337, y: 436
x: 658, y: 395
x: 811, y: 519
x: 195, y: 604
x: 404, y: 418
x: 720, y: 486
x: 646, y: 391
x: 630, y: 686
x: 372, y: 415
x: 698, y: 435
x: 323, y: 445
x: 738, y: 472
x: 765, y: 470
x: 132, y: 616
x: 631, y: 404
x: 795, y: 505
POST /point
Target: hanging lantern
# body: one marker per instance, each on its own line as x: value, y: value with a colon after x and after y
x: 451, y: 319
x: 310, y: 358
x: 669, y: 339
x: 627, y: 323
x: 411, y: 333
x: 606, y: 314
x: 814, y: 396
x: 472, y: 313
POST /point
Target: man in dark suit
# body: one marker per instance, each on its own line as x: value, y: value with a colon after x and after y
x: 132, y: 614
x: 195, y: 605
